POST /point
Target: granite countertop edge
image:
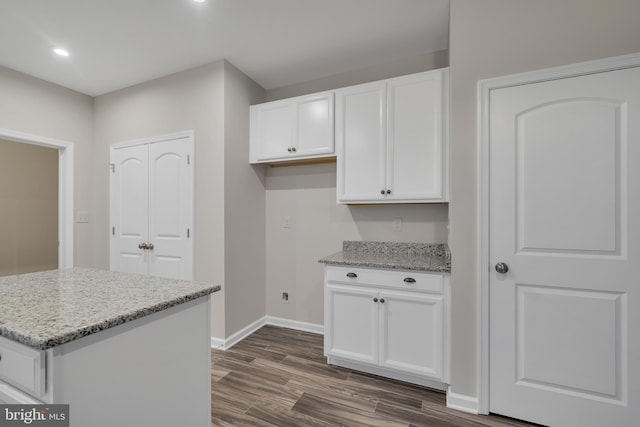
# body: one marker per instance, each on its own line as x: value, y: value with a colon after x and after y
x: 23, y: 333
x: 432, y: 258
x: 45, y: 344
x: 336, y: 259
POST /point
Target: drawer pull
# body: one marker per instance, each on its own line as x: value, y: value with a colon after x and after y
x: 409, y: 280
x: 375, y: 299
x: 352, y: 275
x: 381, y: 300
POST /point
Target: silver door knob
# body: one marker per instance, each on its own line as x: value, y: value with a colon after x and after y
x: 150, y: 246
x: 502, y: 268
x: 143, y: 246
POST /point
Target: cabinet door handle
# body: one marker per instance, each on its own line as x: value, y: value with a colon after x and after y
x: 388, y: 191
x: 375, y: 299
x: 352, y: 275
x: 409, y: 280
x: 143, y: 246
x: 382, y: 192
x: 293, y: 149
x: 150, y: 246
x: 289, y: 149
x: 381, y: 300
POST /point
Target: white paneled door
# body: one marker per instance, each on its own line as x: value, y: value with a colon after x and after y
x: 152, y: 202
x: 564, y: 287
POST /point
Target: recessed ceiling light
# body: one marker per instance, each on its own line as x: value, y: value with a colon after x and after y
x: 61, y: 52
x: 199, y: 1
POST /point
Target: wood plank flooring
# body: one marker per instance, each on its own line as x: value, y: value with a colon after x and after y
x: 280, y: 377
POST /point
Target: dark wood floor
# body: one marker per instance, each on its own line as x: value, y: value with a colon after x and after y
x: 279, y: 377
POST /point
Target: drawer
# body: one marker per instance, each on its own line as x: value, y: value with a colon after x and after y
x: 22, y: 366
x: 395, y: 279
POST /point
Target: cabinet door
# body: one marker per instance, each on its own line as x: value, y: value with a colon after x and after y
x: 351, y: 323
x: 411, y: 333
x: 415, y: 139
x: 360, y: 140
x: 314, y: 126
x: 272, y: 130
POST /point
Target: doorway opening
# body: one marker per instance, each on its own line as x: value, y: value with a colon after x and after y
x: 65, y: 189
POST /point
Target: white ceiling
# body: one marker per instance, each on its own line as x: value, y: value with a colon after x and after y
x: 119, y: 43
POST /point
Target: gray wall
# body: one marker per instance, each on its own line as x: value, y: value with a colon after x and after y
x: 35, y: 107
x: 491, y: 38
x: 307, y: 194
x: 197, y: 99
x: 244, y: 207
x: 28, y: 208
x: 415, y: 64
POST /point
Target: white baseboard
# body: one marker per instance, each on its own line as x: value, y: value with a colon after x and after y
x: 294, y: 324
x: 463, y: 403
x: 225, y: 344
x: 217, y: 343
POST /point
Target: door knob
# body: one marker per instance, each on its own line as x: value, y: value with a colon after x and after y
x: 150, y: 246
x: 143, y: 246
x: 502, y: 268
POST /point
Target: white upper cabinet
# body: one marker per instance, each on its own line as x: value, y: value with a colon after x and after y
x: 297, y: 129
x: 391, y: 140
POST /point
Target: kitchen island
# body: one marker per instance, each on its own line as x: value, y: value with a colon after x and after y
x: 119, y: 348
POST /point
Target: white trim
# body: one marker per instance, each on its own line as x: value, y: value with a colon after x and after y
x: 461, y: 402
x: 294, y: 324
x: 217, y: 343
x: 483, y: 251
x: 11, y: 395
x: 154, y: 139
x: 65, y: 188
x: 225, y: 344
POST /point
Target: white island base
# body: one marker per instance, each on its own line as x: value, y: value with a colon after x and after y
x: 152, y: 371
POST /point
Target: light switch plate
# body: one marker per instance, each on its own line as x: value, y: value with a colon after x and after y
x: 82, y: 216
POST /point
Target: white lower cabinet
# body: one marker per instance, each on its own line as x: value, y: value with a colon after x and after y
x: 389, y: 323
x: 22, y: 370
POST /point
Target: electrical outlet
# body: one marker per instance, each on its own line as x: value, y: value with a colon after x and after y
x: 285, y: 297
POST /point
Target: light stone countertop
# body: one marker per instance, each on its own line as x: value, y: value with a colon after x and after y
x: 428, y: 257
x: 50, y: 308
